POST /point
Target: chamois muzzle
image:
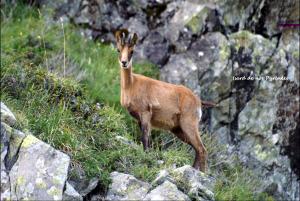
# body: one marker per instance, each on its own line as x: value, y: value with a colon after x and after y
x: 124, y: 64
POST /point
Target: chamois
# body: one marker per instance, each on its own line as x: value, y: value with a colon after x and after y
x: 158, y: 104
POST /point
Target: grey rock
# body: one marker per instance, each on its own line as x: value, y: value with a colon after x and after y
x: 64, y: 9
x: 258, y: 113
x: 235, y: 13
x: 49, y: 169
x: 187, y: 10
x: 181, y: 69
x: 154, y: 48
x: 71, y: 194
x: 252, y: 15
x: 259, y: 117
x: 91, y: 186
x: 7, y: 116
x: 211, y: 53
x: 281, y: 12
x: 203, y: 68
x: 166, y: 191
x: 138, y: 26
x: 162, y: 176
x: 223, y: 134
x: 78, y: 178
x: 222, y: 113
x: 200, y: 22
x: 5, y: 138
x: 97, y: 197
x: 184, y: 18
x: 126, y: 187
x: 196, y: 183
x: 5, y: 186
x: 289, y: 43
x: 11, y: 140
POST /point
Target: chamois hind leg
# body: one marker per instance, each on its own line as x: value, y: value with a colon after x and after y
x: 145, y: 126
x: 180, y: 134
x: 189, y: 126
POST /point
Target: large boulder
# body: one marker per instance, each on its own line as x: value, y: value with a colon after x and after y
x: 255, y: 82
x: 198, y: 185
x: 183, y: 21
x: 181, y: 69
x: 155, y: 48
x: 166, y: 191
x: 126, y: 187
x: 204, y: 68
x: 248, y: 63
x: 48, y: 171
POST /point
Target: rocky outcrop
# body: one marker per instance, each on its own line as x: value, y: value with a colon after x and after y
x: 48, y: 171
x: 166, y: 191
x: 253, y: 81
x: 126, y: 187
x: 184, y: 183
x: 30, y: 168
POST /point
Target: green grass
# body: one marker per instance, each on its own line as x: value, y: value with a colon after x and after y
x: 62, y: 111
x: 240, y: 184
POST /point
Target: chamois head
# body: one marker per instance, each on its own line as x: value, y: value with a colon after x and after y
x: 125, y: 46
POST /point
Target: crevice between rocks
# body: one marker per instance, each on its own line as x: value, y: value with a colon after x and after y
x: 100, y: 191
x: 293, y: 150
x: 10, y: 163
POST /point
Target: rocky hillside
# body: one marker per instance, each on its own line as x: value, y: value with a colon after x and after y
x: 236, y: 53
x: 33, y: 170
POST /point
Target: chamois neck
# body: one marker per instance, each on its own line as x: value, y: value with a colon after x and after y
x: 126, y: 77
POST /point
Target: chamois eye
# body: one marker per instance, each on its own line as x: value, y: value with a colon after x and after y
x: 118, y: 50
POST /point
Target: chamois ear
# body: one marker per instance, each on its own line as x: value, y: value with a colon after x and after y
x: 134, y: 39
x: 121, y: 34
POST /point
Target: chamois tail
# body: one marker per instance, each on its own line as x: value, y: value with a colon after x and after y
x: 207, y: 104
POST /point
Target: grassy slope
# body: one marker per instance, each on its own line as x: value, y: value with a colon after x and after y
x: 62, y: 111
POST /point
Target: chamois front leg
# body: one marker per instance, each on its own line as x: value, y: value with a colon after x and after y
x: 145, y: 126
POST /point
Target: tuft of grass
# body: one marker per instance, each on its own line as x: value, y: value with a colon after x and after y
x: 237, y: 182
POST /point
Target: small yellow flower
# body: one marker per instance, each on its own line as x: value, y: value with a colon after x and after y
x: 39, y: 37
